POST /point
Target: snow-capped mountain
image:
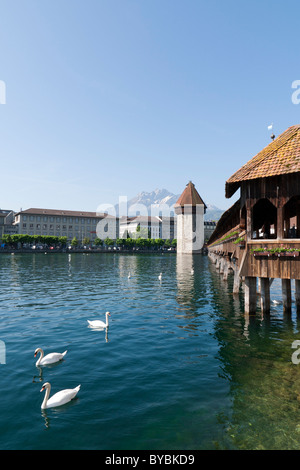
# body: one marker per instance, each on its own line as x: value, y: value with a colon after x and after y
x: 156, y: 198
x: 162, y: 201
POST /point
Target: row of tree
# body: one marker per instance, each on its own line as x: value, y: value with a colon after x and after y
x: 61, y: 242
x: 128, y: 242
x: 22, y: 239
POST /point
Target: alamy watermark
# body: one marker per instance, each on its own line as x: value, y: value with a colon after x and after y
x: 2, y: 92
x: 138, y: 221
x: 296, y: 354
x: 296, y: 93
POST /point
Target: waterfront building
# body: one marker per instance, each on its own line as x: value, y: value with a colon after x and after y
x: 190, y: 210
x: 6, y: 223
x: 67, y: 223
x: 148, y: 227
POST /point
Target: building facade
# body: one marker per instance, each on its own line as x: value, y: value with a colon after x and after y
x: 67, y: 223
x: 6, y: 223
x: 148, y: 227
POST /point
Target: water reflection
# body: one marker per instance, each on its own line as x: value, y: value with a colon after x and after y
x: 255, y: 359
x: 101, y: 329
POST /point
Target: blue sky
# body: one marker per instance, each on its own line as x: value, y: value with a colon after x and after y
x: 108, y: 98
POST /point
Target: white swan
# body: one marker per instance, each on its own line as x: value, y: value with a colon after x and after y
x: 99, y: 323
x: 49, y: 359
x: 160, y: 277
x: 59, y: 398
x: 129, y: 275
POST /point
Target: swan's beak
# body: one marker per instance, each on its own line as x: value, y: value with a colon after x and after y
x: 43, y: 388
x: 35, y: 354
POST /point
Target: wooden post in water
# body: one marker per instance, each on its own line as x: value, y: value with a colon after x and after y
x: 297, y: 295
x: 236, y: 281
x: 222, y: 265
x: 286, y: 295
x: 250, y: 295
x: 265, y: 294
x: 226, y: 267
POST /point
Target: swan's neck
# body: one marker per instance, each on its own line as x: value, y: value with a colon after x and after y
x: 47, y: 393
x: 41, y: 357
x: 106, y: 320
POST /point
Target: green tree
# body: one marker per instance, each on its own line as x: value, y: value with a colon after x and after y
x: 98, y: 241
x: 159, y: 242
x: 129, y: 243
x: 108, y: 241
x: 6, y: 239
x: 74, y: 242
x: 120, y: 241
x: 62, y: 240
x: 86, y: 241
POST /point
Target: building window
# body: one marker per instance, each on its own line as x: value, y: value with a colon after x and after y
x: 44, y: 226
x: 38, y: 226
x: 24, y: 225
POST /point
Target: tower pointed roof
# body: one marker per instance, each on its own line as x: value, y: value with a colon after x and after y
x: 190, y: 196
x: 280, y: 157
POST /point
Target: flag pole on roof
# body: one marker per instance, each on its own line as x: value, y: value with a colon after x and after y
x: 270, y: 128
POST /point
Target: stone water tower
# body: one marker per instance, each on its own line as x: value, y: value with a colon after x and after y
x: 190, y: 210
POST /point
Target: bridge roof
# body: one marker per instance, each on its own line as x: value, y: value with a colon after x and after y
x: 280, y: 157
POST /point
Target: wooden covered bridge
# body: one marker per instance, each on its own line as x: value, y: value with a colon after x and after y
x: 259, y: 236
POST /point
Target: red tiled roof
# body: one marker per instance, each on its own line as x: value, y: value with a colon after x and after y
x: 59, y: 212
x: 280, y: 157
x: 190, y: 196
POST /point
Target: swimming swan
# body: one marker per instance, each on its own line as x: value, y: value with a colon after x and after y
x: 59, y: 398
x: 160, y: 276
x: 99, y: 323
x: 49, y: 359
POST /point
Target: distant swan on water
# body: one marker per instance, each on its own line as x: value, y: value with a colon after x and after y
x: 129, y: 275
x: 160, y: 277
x: 99, y: 323
x: 59, y: 398
x: 51, y: 358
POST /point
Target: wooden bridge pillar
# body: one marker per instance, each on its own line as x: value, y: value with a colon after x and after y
x: 297, y: 295
x: 226, y: 267
x: 236, y: 281
x: 250, y: 295
x: 286, y: 295
x: 265, y: 294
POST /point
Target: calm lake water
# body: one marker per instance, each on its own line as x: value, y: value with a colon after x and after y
x: 180, y: 366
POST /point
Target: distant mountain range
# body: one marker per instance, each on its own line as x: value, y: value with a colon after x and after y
x: 162, y: 201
